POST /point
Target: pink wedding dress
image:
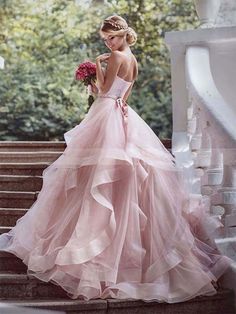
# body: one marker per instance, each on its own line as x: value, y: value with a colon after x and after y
x: 113, y: 218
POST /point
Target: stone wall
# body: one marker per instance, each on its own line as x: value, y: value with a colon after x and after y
x: 227, y: 13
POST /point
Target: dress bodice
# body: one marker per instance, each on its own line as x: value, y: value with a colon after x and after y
x: 118, y: 88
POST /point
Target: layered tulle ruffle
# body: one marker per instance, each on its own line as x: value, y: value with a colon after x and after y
x: 113, y: 218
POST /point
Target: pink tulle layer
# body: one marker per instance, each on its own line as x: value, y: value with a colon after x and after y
x: 113, y: 218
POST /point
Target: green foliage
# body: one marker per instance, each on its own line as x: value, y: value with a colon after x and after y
x: 43, y: 42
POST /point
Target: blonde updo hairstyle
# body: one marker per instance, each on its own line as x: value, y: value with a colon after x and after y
x: 117, y: 25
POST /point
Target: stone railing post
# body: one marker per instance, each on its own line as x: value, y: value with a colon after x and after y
x: 1, y: 63
x: 207, y: 11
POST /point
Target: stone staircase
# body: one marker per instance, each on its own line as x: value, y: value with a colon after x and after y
x: 21, y: 167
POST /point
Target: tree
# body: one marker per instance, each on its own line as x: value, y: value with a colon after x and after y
x: 43, y: 42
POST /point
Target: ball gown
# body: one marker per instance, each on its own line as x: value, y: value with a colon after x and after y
x: 113, y: 218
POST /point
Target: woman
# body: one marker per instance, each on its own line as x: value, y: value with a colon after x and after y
x: 113, y: 218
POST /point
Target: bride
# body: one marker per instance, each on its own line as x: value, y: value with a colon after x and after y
x: 113, y: 219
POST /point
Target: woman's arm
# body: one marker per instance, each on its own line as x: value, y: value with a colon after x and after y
x: 114, y: 61
x: 99, y: 71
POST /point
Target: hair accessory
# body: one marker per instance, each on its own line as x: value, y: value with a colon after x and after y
x: 115, y: 24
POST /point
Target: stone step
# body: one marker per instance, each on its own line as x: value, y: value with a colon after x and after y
x: 22, y: 286
x: 35, y: 152
x: 13, y: 199
x: 29, y: 146
x: 9, y: 216
x: 62, y: 306
x: 29, y: 157
x: 113, y: 306
x: 30, y: 292
x: 166, y: 142
x: 28, y: 169
x: 17, y: 285
x: 4, y: 229
x: 10, y: 263
x: 8, y: 146
x: 20, y: 183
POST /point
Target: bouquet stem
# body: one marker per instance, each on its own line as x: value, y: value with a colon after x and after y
x: 90, y: 101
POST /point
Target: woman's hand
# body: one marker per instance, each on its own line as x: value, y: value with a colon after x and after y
x: 94, y: 88
x: 103, y: 57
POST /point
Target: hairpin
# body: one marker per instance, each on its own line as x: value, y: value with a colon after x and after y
x: 115, y: 24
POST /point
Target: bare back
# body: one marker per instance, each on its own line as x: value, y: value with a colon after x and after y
x: 129, y: 67
x: 128, y: 71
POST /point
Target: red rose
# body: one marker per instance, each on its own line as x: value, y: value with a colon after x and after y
x: 86, y: 72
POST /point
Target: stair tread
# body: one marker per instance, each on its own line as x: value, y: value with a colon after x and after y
x: 48, y: 302
x: 17, y: 193
x: 30, y: 143
x: 221, y: 293
x: 24, y: 164
x: 13, y: 276
x: 20, y: 278
x: 35, y: 153
x: 62, y: 304
x: 7, y: 255
x: 12, y: 211
x: 13, y: 177
x: 47, y: 143
x: 5, y: 229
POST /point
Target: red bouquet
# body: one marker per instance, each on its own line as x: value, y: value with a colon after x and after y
x: 86, y: 72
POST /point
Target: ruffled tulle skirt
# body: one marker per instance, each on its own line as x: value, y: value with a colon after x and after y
x: 113, y: 218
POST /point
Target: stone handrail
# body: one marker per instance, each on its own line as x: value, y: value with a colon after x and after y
x: 201, y: 86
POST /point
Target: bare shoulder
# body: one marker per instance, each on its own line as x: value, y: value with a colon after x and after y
x: 117, y: 55
x: 126, y: 59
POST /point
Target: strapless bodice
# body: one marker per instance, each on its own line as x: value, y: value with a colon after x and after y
x: 118, y: 88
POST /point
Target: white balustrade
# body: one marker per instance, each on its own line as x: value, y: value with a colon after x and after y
x: 203, y: 73
x: 207, y: 11
x: 1, y: 63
